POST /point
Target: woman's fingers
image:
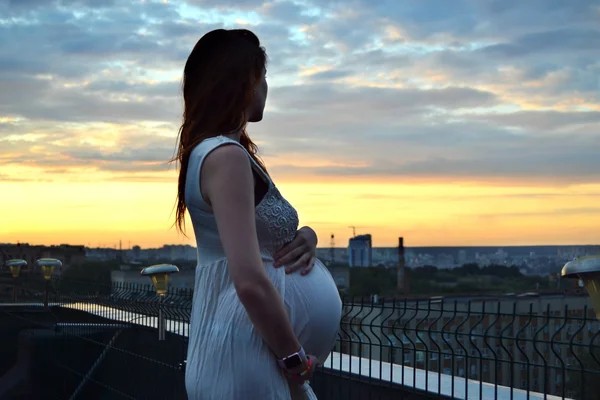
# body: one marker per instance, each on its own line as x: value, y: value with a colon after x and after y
x: 293, y: 255
x: 285, y: 250
x: 309, y: 267
x: 301, y: 262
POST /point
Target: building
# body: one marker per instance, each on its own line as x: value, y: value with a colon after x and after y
x: 67, y: 254
x: 103, y: 254
x: 340, y: 254
x: 341, y: 276
x: 161, y: 254
x: 462, y: 257
x: 360, y: 251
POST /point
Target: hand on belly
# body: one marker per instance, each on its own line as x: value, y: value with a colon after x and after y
x: 298, y: 254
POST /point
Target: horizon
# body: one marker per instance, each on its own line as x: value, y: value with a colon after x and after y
x: 500, y: 246
x: 469, y: 125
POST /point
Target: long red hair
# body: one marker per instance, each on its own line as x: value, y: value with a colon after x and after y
x: 219, y: 79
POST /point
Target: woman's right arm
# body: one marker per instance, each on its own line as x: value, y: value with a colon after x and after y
x: 228, y: 183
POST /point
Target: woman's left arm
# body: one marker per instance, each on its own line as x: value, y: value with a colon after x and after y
x: 300, y: 253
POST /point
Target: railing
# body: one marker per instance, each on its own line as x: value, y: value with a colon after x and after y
x: 503, y: 348
x: 479, y: 349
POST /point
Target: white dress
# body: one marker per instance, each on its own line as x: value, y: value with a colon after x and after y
x: 227, y: 359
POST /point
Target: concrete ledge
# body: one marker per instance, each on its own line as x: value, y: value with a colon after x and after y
x: 427, y: 381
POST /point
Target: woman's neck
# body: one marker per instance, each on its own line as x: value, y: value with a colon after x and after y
x: 236, y: 135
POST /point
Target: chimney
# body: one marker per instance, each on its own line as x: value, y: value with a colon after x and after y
x: 400, y: 268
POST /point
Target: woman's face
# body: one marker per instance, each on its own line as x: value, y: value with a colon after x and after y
x: 257, y: 108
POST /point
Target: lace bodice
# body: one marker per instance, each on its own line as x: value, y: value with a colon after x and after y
x: 279, y: 216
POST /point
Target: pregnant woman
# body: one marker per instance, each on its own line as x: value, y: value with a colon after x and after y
x: 259, y: 326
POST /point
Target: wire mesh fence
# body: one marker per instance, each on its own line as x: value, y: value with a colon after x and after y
x: 472, y: 349
x: 487, y: 348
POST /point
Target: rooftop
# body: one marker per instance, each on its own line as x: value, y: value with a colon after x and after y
x: 64, y: 339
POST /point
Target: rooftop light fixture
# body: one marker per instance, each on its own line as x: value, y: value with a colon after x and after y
x: 47, y: 265
x: 160, y: 279
x: 586, y: 269
x: 15, y: 266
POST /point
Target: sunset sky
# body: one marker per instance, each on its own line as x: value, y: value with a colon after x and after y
x: 464, y: 122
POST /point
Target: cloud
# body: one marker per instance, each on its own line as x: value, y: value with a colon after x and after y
x: 554, y: 41
x: 330, y: 75
x: 550, y: 213
x: 474, y: 20
x: 37, y: 99
x: 412, y: 90
x: 228, y: 4
x: 533, y: 169
x: 448, y: 198
x: 542, y: 120
x: 328, y: 98
x: 10, y: 178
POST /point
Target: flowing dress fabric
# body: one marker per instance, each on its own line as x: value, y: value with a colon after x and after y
x: 227, y: 358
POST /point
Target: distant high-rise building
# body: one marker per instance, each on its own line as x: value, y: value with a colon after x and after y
x: 462, y: 257
x: 137, y: 252
x: 360, y: 251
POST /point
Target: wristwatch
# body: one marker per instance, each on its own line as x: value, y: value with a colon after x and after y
x: 293, y: 361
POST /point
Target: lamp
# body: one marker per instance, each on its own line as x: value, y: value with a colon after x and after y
x: 586, y: 269
x: 15, y: 266
x: 47, y: 265
x: 160, y: 279
x: 160, y: 276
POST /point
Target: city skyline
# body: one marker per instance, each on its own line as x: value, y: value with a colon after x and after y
x: 475, y: 125
x: 128, y: 246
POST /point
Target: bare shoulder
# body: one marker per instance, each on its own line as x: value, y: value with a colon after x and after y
x: 227, y: 157
x: 226, y: 174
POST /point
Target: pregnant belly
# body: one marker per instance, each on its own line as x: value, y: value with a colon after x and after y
x: 315, y: 309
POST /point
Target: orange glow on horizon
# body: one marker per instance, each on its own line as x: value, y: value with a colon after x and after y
x: 425, y: 214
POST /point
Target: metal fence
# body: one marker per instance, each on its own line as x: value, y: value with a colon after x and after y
x: 502, y: 348
x: 548, y: 346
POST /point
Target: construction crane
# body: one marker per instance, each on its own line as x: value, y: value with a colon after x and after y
x: 353, y: 230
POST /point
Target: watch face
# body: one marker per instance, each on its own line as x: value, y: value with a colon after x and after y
x: 293, y: 362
